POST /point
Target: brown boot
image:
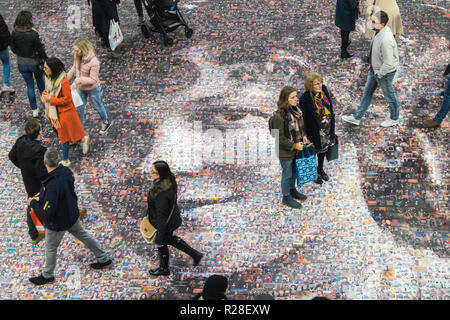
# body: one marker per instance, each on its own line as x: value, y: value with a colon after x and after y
x: 431, y: 123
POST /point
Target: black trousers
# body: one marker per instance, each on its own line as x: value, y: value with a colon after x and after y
x: 32, y: 231
x: 345, y: 39
x: 138, y: 5
x: 320, y: 159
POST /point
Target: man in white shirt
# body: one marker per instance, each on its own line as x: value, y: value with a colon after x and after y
x: 383, y: 65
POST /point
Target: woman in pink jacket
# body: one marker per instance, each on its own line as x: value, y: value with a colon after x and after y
x: 85, y: 69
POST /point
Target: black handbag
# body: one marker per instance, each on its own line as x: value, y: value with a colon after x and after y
x: 333, y: 152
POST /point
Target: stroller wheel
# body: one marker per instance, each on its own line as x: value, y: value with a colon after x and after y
x: 168, y: 42
x: 145, y: 31
x: 188, y: 32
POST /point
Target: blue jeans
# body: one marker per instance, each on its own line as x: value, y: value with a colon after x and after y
x: 386, y: 85
x: 65, y: 151
x: 4, y: 56
x: 287, y: 176
x: 27, y: 73
x: 96, y: 101
x: 445, y: 106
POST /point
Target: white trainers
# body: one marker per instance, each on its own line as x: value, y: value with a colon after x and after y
x: 105, y: 127
x: 8, y: 89
x: 65, y: 163
x: 85, y: 145
x: 35, y: 113
x: 351, y: 119
x: 389, y: 123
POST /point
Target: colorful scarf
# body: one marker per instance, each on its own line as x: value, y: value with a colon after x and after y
x: 321, y: 102
x: 297, y: 122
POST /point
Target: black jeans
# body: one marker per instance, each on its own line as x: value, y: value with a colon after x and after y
x: 138, y: 5
x: 345, y: 35
x: 321, y: 159
x: 32, y: 231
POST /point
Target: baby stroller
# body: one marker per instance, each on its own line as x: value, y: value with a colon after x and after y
x: 164, y: 17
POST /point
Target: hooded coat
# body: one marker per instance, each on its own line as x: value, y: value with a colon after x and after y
x: 28, y: 155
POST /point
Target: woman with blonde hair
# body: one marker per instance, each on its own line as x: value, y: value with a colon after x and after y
x: 319, y: 117
x: 85, y: 70
x: 288, y: 120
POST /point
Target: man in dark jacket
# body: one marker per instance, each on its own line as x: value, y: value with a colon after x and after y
x: 28, y: 155
x: 5, y: 41
x: 346, y: 15
x: 58, y: 205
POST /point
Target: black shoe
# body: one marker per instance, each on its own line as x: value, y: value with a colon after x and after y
x: 297, y: 195
x: 290, y: 202
x: 41, y: 280
x: 345, y: 55
x: 324, y: 176
x: 319, y: 180
x: 159, y: 272
x: 100, y: 265
x: 197, y: 259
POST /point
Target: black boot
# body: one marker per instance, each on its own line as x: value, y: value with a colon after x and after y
x: 163, y: 269
x: 180, y: 244
x: 290, y: 202
x: 297, y: 195
x: 345, y: 55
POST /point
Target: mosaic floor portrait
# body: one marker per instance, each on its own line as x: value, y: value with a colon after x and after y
x: 377, y: 230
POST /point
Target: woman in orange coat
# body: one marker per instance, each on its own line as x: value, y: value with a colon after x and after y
x: 60, y: 109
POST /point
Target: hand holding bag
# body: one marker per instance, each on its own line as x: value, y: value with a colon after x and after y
x: 148, y: 231
x: 77, y: 101
x: 305, y: 165
x: 115, y: 34
x: 333, y: 151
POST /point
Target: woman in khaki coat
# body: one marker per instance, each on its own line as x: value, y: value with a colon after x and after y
x: 388, y: 6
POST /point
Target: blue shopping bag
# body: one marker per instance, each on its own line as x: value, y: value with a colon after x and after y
x: 305, y: 166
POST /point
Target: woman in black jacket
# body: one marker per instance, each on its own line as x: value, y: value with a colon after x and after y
x: 5, y: 40
x: 161, y: 203
x: 317, y: 109
x: 27, y: 46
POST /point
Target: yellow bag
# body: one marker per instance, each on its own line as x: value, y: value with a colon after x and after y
x: 148, y: 231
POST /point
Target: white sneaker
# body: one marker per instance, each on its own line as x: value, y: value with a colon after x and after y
x: 8, y: 89
x: 65, y: 163
x: 85, y: 145
x: 389, y: 123
x: 35, y: 113
x: 351, y: 119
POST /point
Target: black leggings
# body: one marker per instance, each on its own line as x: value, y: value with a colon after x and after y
x: 345, y: 35
x: 138, y: 5
x: 321, y: 159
